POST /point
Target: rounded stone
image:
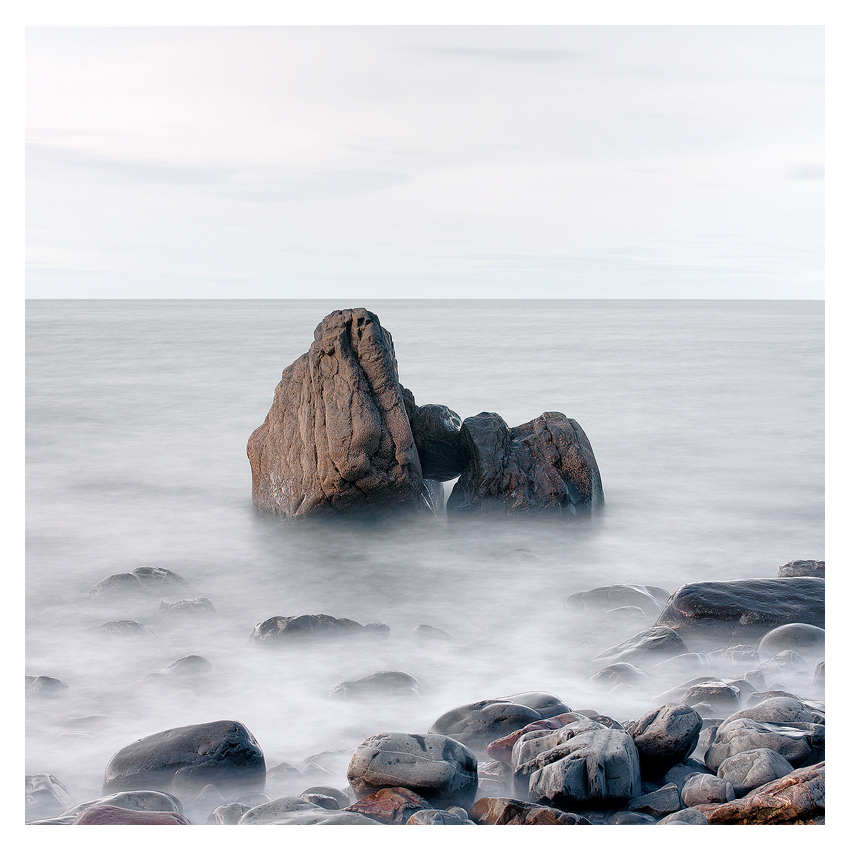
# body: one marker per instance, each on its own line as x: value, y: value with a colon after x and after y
x: 706, y: 788
x: 807, y: 640
x: 753, y: 768
x: 666, y: 736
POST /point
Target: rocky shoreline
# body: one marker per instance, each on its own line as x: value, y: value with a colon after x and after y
x: 731, y: 676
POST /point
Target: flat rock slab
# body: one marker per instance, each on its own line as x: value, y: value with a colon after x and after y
x: 743, y: 610
x: 544, y: 465
x: 795, y: 798
x: 337, y: 439
x: 222, y: 753
x: 436, y: 767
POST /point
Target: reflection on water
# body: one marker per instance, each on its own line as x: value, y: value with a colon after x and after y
x: 707, y: 424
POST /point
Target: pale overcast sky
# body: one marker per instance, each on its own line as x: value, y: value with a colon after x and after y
x: 425, y: 162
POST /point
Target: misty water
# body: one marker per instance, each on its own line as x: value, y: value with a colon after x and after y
x: 706, y: 419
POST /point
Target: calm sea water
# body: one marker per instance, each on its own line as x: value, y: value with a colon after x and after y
x: 706, y: 418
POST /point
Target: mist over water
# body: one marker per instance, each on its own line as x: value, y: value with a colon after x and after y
x: 706, y: 419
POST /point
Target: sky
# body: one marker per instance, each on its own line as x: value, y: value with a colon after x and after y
x: 425, y: 162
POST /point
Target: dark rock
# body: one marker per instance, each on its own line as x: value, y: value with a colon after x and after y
x: 545, y: 704
x: 479, y: 723
x: 185, y: 608
x: 129, y: 628
x: 751, y: 769
x: 438, y: 768
x: 680, y: 773
x: 723, y: 698
x: 385, y: 683
x: 803, y: 638
x: 748, y: 608
x: 223, y: 753
x: 443, y: 453
x: 113, y: 816
x: 390, y: 805
x: 277, y: 629
x: 797, y: 798
x: 45, y: 796
x: 649, y: 599
x: 229, y: 814
x: 665, y: 736
x: 501, y: 748
x: 647, y: 646
x: 817, y: 569
x: 44, y: 686
x: 799, y: 743
x: 544, y: 465
x: 706, y: 788
x: 659, y: 803
x: 504, y: 811
x: 686, y: 817
x: 337, y: 439
x: 438, y: 817
x: 139, y: 580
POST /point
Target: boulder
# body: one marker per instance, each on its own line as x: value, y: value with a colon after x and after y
x: 189, y: 666
x: 775, y: 710
x: 630, y: 819
x: 648, y: 646
x: 544, y: 703
x: 228, y: 815
x: 139, y: 580
x: 322, y: 801
x: 649, y: 599
x: 319, y: 817
x: 621, y: 672
x: 722, y: 697
x: 122, y: 628
x: 271, y: 811
x: 501, y: 748
x: 443, y: 453
x: 479, y: 723
x: 706, y: 788
x: 223, y: 753
x: 44, y: 686
x: 799, y: 743
x: 390, y: 805
x: 340, y: 797
x: 438, y: 768
x: 596, y: 768
x: 665, y: 736
x: 817, y: 569
x: 797, y: 798
x: 686, y: 817
x: 439, y: 817
x: 659, y: 803
x: 680, y: 773
x: 751, y: 769
x: 681, y: 665
x: 504, y: 811
x: 383, y: 684
x: 738, y: 657
x: 45, y: 796
x: 337, y: 439
x: 285, y: 629
x: 185, y: 608
x: 545, y: 465
x: 139, y: 801
x: 102, y: 815
x: 747, y: 608
x: 805, y: 639
x: 819, y: 678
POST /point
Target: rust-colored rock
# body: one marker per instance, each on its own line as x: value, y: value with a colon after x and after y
x: 501, y: 748
x: 113, y: 816
x: 493, y: 811
x: 796, y: 798
x: 337, y: 438
x: 390, y: 805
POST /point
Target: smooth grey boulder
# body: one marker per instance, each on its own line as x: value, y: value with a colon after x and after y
x: 806, y: 639
x: 438, y: 768
x: 816, y: 569
x: 646, y: 647
x: 189, y: 666
x: 222, y: 753
x: 751, y: 769
x: 443, y: 453
x: 659, y: 803
x: 545, y: 465
x: 324, y: 817
x: 545, y: 704
x: 744, y: 609
x: 800, y: 743
x: 783, y: 664
x: 595, y: 768
x: 722, y: 697
x: 340, y: 797
x: 477, y: 724
x: 680, y: 773
x: 138, y: 801
x: 706, y: 788
x: 45, y: 796
x: 283, y: 629
x: 227, y: 815
x: 270, y: 812
x: 438, y: 817
x: 337, y: 439
x: 686, y: 817
x: 741, y: 656
x: 141, y: 580
x: 630, y: 819
x: 649, y: 599
x: 382, y: 684
x: 775, y: 710
x: 665, y: 736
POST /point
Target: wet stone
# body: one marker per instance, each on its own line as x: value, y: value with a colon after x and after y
x: 44, y: 686
x: 659, y: 803
x: 646, y: 647
x: 382, y: 684
x: 686, y: 817
x: 477, y: 724
x: 390, y: 805
x: 751, y: 769
x: 229, y: 814
x: 666, y: 736
x: 438, y: 817
x: 706, y: 788
x: 498, y: 811
x: 113, y: 815
x: 45, y: 796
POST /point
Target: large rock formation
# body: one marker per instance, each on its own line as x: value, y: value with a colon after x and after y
x: 544, y: 465
x: 343, y: 436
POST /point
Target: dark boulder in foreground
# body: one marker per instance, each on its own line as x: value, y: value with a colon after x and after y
x: 665, y: 736
x: 443, y: 453
x: 222, y: 753
x: 337, y: 439
x: 435, y: 767
x: 544, y: 465
x: 744, y: 609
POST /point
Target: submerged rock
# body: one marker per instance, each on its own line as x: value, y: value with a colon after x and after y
x: 650, y: 645
x: 45, y: 796
x: 277, y: 629
x: 649, y: 599
x: 477, y: 724
x: 545, y: 465
x: 803, y: 638
x: 222, y: 753
x: 45, y: 686
x: 337, y: 439
x: 113, y: 816
x: 139, y: 580
x: 384, y: 683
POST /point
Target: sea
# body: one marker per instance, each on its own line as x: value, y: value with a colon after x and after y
x: 706, y: 419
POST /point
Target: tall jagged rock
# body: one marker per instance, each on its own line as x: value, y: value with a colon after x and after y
x: 337, y: 438
x: 546, y: 464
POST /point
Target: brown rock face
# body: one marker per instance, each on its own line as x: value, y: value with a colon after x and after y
x: 337, y: 437
x: 493, y: 811
x: 390, y: 805
x: 797, y: 798
x: 544, y: 465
